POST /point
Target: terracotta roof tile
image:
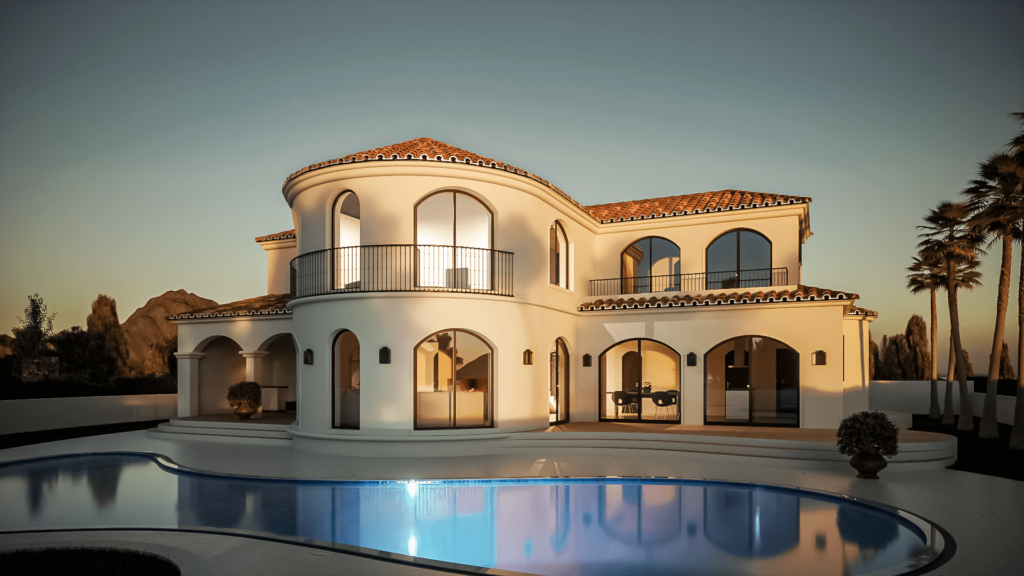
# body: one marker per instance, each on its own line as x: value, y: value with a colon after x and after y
x: 799, y: 294
x: 430, y: 150
x: 278, y: 236
x: 261, y: 305
x: 858, y: 311
x: 689, y: 204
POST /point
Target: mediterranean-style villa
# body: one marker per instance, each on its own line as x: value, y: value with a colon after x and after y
x: 427, y: 293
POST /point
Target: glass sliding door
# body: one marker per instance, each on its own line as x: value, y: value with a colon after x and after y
x: 752, y: 380
x: 453, y: 237
x: 453, y: 381
x: 639, y: 382
x: 558, y: 392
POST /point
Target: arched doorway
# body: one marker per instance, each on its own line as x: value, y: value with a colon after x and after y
x: 558, y: 385
x: 650, y: 264
x: 278, y: 372
x: 453, y: 381
x: 639, y: 381
x: 739, y: 259
x: 219, y: 368
x: 752, y: 380
x: 347, y: 382
x: 453, y: 242
x: 346, y: 242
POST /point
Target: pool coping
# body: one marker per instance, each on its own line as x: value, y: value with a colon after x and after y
x: 941, y: 539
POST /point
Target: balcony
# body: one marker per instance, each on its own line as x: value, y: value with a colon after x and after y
x: 697, y: 282
x: 402, y: 268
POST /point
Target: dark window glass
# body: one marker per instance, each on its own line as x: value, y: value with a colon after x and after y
x: 653, y: 264
x: 739, y: 259
x: 722, y: 254
x: 755, y: 251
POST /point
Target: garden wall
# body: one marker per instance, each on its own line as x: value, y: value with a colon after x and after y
x: 52, y: 413
x: 1004, y: 407
x: 910, y: 395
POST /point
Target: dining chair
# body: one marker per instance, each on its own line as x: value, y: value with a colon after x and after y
x: 662, y: 400
x: 624, y: 400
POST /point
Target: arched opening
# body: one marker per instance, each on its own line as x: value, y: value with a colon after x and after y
x: 345, y: 400
x: 279, y: 370
x: 558, y: 387
x: 346, y: 240
x: 558, y: 256
x: 739, y: 259
x: 752, y: 380
x: 219, y: 368
x: 453, y: 242
x: 650, y: 264
x: 453, y: 381
x: 639, y: 381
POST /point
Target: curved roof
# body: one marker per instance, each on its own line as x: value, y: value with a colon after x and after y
x: 277, y: 236
x: 258, y: 306
x: 429, y: 150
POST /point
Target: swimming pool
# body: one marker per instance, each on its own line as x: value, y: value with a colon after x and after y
x: 552, y: 526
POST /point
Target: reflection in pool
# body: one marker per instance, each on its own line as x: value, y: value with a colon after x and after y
x: 580, y: 526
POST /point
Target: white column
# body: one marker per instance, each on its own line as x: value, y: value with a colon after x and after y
x: 254, y: 372
x: 188, y: 383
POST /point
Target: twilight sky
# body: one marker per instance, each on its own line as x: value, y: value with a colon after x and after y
x: 143, y: 144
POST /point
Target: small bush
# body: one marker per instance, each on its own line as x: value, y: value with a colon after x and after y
x: 245, y: 393
x: 870, y: 432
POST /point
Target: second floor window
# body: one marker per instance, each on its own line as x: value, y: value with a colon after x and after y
x: 453, y: 242
x: 650, y: 264
x: 739, y: 259
x: 558, y: 256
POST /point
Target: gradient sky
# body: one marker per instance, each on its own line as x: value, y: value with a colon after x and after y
x: 143, y: 144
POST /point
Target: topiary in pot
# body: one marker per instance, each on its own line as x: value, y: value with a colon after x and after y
x: 867, y: 436
x: 245, y: 398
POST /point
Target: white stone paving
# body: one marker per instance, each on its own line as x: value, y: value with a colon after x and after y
x: 985, y: 514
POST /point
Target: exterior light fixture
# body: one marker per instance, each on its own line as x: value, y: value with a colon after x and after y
x: 528, y: 357
x: 307, y: 357
x: 385, y: 355
x: 587, y: 361
x: 818, y: 358
x: 691, y: 359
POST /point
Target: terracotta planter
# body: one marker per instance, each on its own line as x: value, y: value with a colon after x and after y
x: 244, y: 411
x: 868, y: 465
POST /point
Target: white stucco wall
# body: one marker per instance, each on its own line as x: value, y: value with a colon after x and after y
x: 53, y: 413
x: 912, y: 396
x: 279, y: 257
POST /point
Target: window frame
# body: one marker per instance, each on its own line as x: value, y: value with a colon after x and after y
x: 489, y: 405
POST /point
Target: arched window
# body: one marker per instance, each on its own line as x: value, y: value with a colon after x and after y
x: 650, y: 264
x: 752, y: 380
x: 453, y: 238
x: 346, y: 242
x: 739, y: 259
x: 639, y: 381
x: 453, y: 381
x: 346, y: 381
x: 558, y: 243
x: 558, y: 386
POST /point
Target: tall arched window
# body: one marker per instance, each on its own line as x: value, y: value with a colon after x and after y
x: 650, y: 264
x: 453, y: 381
x: 739, y: 259
x: 558, y: 256
x: 346, y: 242
x: 639, y: 381
x: 752, y: 380
x: 558, y: 385
x: 453, y: 237
x: 345, y: 405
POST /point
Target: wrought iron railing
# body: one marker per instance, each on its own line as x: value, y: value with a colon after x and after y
x: 696, y: 282
x: 402, y: 268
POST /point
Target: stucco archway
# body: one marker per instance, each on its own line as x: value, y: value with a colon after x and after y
x: 219, y: 368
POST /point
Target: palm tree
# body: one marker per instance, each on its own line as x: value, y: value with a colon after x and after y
x: 927, y: 274
x: 949, y: 238
x: 997, y: 208
x: 1016, y: 148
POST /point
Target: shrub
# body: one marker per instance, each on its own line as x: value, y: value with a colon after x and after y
x: 245, y: 393
x: 870, y: 432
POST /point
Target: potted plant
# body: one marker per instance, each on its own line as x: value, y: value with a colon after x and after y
x: 245, y: 398
x: 867, y: 437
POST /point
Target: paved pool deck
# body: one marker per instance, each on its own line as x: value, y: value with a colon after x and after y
x: 985, y: 514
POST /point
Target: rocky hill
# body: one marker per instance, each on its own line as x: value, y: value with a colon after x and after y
x: 148, y: 325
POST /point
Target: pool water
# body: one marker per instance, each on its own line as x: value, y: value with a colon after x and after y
x: 543, y: 526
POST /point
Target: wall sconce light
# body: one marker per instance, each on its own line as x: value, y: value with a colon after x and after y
x: 384, y: 356
x: 587, y: 361
x: 528, y: 357
x: 818, y: 358
x: 691, y: 359
x: 307, y: 357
